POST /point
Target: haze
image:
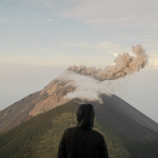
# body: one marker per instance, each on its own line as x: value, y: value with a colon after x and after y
x: 39, y: 39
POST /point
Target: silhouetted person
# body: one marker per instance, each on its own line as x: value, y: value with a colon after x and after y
x: 82, y: 141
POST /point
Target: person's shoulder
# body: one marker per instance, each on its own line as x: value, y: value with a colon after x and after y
x: 98, y: 134
x: 69, y: 130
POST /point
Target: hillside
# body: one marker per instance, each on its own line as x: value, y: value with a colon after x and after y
x: 49, y: 97
x: 40, y: 136
x: 122, y: 117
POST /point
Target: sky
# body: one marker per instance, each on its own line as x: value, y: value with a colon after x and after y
x: 39, y: 39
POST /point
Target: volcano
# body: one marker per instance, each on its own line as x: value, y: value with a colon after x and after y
x: 113, y: 115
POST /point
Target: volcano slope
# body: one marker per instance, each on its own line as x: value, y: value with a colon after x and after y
x: 49, y: 97
x: 128, y: 132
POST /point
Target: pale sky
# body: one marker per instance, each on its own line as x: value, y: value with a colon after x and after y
x: 39, y: 39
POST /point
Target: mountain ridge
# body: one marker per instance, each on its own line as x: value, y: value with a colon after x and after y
x: 130, y: 126
x: 40, y: 136
x: 49, y: 97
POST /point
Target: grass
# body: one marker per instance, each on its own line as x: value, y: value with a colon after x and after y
x: 40, y: 136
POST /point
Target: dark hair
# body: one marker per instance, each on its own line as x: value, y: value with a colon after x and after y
x: 85, y: 116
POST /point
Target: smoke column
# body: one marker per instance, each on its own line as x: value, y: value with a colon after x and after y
x: 124, y: 65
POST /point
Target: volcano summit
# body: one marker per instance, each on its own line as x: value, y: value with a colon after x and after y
x: 40, y: 118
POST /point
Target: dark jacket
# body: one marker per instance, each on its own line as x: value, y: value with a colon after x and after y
x: 78, y: 142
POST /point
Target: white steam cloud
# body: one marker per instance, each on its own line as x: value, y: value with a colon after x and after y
x: 88, y: 88
x: 124, y: 65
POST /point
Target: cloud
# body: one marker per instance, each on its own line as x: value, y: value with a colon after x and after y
x: 110, y: 47
x: 15, y: 39
x: 152, y: 51
x: 99, y: 54
x: 100, y: 46
x: 15, y: 20
x: 5, y: 20
x: 75, y: 44
x: 153, y: 63
x: 88, y: 88
x: 118, y: 14
x: 103, y: 48
x: 104, y: 20
x: 35, y: 60
x: 50, y: 20
x: 124, y: 65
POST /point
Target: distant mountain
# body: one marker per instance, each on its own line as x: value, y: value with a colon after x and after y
x: 42, y: 117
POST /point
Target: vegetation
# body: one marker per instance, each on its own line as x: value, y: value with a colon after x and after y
x: 39, y: 137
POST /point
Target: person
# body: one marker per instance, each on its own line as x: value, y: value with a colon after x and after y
x: 82, y: 141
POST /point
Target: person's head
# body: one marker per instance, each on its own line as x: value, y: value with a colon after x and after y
x: 85, y: 116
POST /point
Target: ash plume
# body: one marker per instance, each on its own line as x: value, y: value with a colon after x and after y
x: 124, y: 65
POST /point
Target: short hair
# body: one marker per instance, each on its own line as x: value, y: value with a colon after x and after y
x: 85, y: 116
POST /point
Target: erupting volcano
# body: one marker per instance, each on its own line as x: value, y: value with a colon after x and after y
x: 79, y: 85
x: 124, y: 65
